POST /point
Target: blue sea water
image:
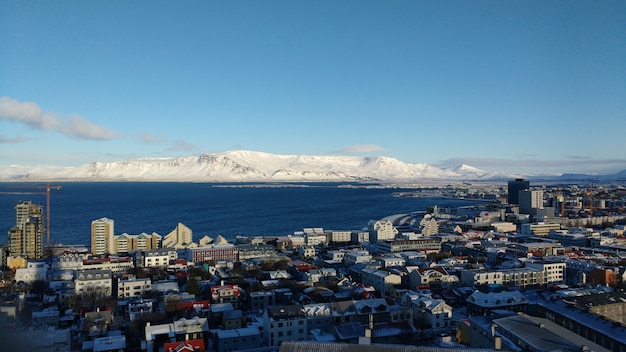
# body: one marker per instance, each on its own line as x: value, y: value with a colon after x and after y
x: 209, y: 209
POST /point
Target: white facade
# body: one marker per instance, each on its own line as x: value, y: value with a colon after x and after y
x: 34, y: 271
x: 102, y: 231
x: 381, y: 231
x: 133, y: 287
x: 381, y: 280
x: 357, y: 256
x: 339, y: 236
x: 554, y: 273
x: 93, y: 281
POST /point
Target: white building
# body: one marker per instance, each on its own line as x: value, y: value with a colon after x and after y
x: 34, y: 271
x: 338, y: 236
x: 381, y: 231
x: 381, y: 280
x: 93, y: 281
x: 355, y: 256
x: 159, y: 258
x: 554, y: 272
x: 133, y: 287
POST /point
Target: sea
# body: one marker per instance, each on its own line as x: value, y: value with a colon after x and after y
x: 230, y: 210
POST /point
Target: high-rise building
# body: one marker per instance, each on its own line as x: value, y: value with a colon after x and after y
x: 529, y: 200
x: 181, y: 236
x: 26, y: 237
x: 514, y: 187
x: 102, y: 236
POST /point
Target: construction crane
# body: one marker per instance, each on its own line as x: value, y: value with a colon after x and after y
x: 46, y: 190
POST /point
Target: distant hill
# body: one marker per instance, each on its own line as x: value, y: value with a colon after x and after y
x: 251, y: 166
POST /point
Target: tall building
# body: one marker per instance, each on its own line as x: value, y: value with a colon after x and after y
x: 102, y: 236
x: 529, y: 200
x: 514, y: 187
x: 26, y: 237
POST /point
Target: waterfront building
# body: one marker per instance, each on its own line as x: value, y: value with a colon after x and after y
x: 180, y: 237
x: 519, y: 184
x: 102, y: 236
x: 338, y: 237
x: 381, y: 231
x: 26, y: 237
x: 126, y: 243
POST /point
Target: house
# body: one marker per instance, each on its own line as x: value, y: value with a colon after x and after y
x: 248, y: 339
x: 481, y: 303
x: 185, y: 346
x: 226, y: 294
x: 284, y: 323
x: 97, y: 282
x: 179, y: 330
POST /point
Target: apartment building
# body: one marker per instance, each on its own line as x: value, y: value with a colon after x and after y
x: 102, y: 236
x: 133, y: 287
x: 284, y: 323
x: 93, y: 282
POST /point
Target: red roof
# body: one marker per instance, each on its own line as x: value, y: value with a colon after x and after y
x: 184, y: 346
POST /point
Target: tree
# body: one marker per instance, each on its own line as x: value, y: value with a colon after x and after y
x: 192, y: 286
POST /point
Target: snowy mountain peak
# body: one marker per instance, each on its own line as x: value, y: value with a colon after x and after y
x: 252, y: 166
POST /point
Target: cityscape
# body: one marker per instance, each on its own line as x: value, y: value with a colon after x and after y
x: 530, y: 267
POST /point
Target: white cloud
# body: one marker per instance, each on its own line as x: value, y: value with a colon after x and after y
x: 181, y: 145
x: 365, y: 148
x: 151, y: 138
x: 31, y: 115
x: 12, y: 140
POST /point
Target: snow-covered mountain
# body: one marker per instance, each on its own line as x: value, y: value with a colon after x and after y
x: 250, y: 166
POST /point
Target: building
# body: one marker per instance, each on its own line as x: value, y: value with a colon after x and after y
x: 243, y: 339
x: 227, y: 252
x: 93, y: 282
x: 26, y: 237
x: 539, y: 228
x: 529, y: 200
x: 157, y: 258
x: 133, y: 287
x: 102, y: 236
x: 181, y: 236
x: 381, y: 231
x: 481, y: 303
x: 126, y: 243
x: 424, y: 244
x: 519, y: 184
x: 284, y: 323
x: 381, y: 280
x: 554, y: 272
x: 180, y: 330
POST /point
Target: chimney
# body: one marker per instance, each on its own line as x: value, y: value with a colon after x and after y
x: 541, y: 326
x: 584, y: 348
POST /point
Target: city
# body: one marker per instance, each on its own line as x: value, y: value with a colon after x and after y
x: 530, y: 267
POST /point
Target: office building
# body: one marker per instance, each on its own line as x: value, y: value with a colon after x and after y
x: 102, y: 236
x: 26, y: 237
x: 514, y: 187
x: 529, y: 200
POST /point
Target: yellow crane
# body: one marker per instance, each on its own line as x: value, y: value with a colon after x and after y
x: 46, y: 190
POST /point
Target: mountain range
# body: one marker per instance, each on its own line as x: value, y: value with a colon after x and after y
x: 252, y: 166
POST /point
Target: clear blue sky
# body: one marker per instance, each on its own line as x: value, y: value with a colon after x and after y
x: 520, y: 86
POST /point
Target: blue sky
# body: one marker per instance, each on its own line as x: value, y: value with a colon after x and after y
x: 518, y: 86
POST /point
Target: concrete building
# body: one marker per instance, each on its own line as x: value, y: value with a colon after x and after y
x: 381, y: 231
x: 133, y: 287
x: 26, y: 237
x: 529, y: 200
x: 102, y: 236
x: 180, y: 237
x: 519, y: 184
x: 284, y: 323
x: 243, y: 339
x: 93, y: 282
x: 381, y: 280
